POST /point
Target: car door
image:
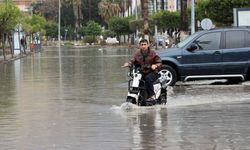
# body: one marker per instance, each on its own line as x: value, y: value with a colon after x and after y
x: 237, y: 52
x: 206, y: 59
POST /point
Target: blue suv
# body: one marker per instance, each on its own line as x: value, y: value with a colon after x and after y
x: 210, y: 54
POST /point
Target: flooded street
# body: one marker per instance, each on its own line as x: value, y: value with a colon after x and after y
x: 75, y: 103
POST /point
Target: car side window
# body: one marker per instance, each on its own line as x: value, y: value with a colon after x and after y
x: 235, y: 39
x: 209, y: 41
x: 247, y: 40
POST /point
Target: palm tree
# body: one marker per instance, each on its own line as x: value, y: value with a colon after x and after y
x: 90, y: 9
x: 77, y: 11
x: 125, y: 5
x: 108, y: 9
x: 162, y: 4
x: 77, y: 5
x: 184, y: 16
x: 145, y: 16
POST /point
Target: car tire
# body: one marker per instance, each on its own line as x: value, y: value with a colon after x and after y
x: 168, y: 73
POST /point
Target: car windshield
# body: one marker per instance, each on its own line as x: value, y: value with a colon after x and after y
x: 187, y: 40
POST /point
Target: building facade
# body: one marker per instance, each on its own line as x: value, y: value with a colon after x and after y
x: 25, y: 5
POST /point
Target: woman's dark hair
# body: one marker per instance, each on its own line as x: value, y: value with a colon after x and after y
x: 143, y: 41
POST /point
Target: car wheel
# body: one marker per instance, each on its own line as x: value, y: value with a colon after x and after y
x: 169, y: 74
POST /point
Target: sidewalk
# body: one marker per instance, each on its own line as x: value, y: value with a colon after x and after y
x: 15, y: 57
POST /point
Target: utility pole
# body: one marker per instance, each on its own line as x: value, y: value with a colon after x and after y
x: 156, y: 40
x: 59, y: 24
x: 192, y: 17
x: 136, y: 18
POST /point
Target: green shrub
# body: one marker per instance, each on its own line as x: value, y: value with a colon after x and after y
x: 68, y: 44
x: 108, y: 33
x: 90, y: 39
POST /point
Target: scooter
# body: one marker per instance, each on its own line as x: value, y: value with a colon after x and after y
x: 137, y: 91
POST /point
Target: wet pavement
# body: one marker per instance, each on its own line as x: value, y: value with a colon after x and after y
x: 75, y: 102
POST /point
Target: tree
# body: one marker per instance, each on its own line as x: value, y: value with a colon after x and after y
x: 184, y: 16
x: 51, y: 29
x: 93, y: 29
x: 77, y: 5
x: 90, y: 11
x: 67, y: 15
x: 221, y: 12
x: 90, y: 31
x: 34, y: 24
x: 162, y: 5
x: 48, y: 9
x: 170, y: 22
x: 9, y: 15
x: 124, y: 5
x: 167, y: 19
x: 108, y: 9
x: 145, y: 16
x: 120, y: 26
x: 201, y: 8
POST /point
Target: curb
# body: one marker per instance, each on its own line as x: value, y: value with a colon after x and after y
x: 15, y: 58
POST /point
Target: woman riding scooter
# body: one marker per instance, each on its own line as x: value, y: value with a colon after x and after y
x: 150, y: 62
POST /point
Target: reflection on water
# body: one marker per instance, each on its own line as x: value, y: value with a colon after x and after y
x: 80, y: 106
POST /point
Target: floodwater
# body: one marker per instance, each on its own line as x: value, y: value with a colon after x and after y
x: 75, y: 102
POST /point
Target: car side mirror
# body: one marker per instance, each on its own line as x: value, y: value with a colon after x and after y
x: 192, y: 47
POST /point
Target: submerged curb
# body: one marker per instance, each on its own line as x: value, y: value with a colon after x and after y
x: 15, y: 58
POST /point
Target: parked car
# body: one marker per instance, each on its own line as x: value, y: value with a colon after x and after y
x: 209, y: 54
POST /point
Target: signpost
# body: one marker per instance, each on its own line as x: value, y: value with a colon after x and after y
x: 206, y: 24
x: 241, y: 17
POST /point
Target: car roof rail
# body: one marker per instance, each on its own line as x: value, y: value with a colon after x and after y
x: 245, y: 26
x: 231, y: 27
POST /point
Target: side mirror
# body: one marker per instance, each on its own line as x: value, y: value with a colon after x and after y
x: 192, y: 47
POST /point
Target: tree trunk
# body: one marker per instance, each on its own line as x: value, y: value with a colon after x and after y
x: 90, y: 9
x: 144, y: 5
x: 11, y: 46
x: 184, y: 16
x: 162, y: 5
x: 77, y: 13
x: 3, y: 45
x: 184, y: 20
x: 124, y: 36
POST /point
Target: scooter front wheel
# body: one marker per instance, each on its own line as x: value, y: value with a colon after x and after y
x: 131, y: 100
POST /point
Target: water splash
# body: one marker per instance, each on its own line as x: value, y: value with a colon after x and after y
x: 130, y: 108
x: 124, y: 107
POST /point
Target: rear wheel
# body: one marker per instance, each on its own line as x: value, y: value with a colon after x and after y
x: 169, y: 74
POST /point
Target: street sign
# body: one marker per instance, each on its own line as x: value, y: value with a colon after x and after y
x: 206, y: 24
x: 241, y: 17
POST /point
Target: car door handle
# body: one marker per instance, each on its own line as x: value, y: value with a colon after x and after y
x: 217, y: 53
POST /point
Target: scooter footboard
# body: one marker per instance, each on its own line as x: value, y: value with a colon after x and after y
x: 135, y: 90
